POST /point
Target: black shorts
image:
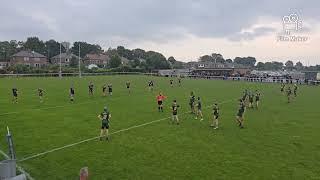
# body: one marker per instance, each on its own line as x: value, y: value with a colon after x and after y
x: 104, y: 126
x: 240, y: 114
x: 216, y: 116
x: 110, y: 90
x: 128, y: 87
x: 174, y: 113
x: 159, y: 103
x: 15, y: 95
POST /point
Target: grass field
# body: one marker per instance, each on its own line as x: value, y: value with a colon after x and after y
x: 280, y: 140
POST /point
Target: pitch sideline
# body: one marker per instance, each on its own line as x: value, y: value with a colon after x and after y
x: 94, y: 138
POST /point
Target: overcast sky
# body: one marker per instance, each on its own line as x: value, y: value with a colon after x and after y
x: 185, y: 29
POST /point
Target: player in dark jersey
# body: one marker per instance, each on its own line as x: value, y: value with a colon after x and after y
x: 110, y: 89
x: 15, y: 95
x: 282, y: 87
x: 295, y: 89
x: 191, y: 102
x: 91, y: 88
x: 251, y: 96
x: 215, y: 115
x: 104, y: 90
x: 128, y: 86
x: 72, y: 92
x: 40, y: 94
x: 289, y: 93
x: 175, y: 107
x: 245, y: 95
x: 240, y: 114
x: 179, y: 81
x: 105, y: 121
x: 257, y: 98
x: 150, y: 84
x: 171, y: 82
x: 199, y: 110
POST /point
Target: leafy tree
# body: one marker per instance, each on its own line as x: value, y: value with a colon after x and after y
x: 135, y: 63
x: 85, y: 48
x: 205, y: 58
x: 74, y: 62
x: 246, y: 61
x: 34, y: 44
x: 229, y: 61
x: 274, y: 65
x: 53, y: 48
x: 218, y: 58
x: 299, y: 66
x: 260, y: 66
x: 7, y: 49
x: 115, y: 61
x: 155, y: 60
x: 172, y: 60
x: 289, y: 65
x: 139, y: 53
x: 127, y: 53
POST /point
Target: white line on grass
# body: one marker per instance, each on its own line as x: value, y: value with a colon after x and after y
x: 18, y: 167
x: 93, y: 138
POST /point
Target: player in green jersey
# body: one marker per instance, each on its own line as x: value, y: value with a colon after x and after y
x: 105, y: 121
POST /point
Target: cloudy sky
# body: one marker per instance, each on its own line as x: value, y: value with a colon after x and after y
x: 185, y: 29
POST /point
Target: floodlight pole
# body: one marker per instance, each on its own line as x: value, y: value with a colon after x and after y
x: 79, y: 62
x: 60, y: 75
x: 12, y: 154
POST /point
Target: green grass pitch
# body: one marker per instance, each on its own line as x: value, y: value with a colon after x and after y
x: 280, y: 140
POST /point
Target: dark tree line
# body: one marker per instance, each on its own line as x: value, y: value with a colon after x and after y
x: 137, y: 58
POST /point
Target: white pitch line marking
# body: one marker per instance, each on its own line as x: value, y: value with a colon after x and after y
x: 93, y: 138
x: 18, y: 167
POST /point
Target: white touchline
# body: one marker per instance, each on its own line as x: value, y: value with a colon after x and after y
x: 18, y: 167
x: 93, y: 138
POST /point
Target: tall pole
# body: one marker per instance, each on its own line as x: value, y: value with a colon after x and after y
x: 12, y: 154
x: 60, y: 75
x: 79, y: 63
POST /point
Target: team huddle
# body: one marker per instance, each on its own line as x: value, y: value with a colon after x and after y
x: 249, y: 99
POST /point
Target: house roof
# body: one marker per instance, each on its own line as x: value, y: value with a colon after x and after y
x: 64, y: 56
x: 97, y: 57
x: 31, y: 54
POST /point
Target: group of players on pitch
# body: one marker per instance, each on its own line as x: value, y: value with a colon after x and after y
x: 289, y: 91
x: 246, y: 101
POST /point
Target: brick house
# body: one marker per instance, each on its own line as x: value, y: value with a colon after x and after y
x: 97, y: 59
x: 65, y: 59
x: 29, y: 58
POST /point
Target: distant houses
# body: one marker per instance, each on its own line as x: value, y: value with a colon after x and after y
x: 101, y: 60
x: 65, y: 59
x: 34, y: 59
x: 29, y: 58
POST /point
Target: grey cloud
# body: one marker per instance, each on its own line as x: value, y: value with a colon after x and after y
x: 143, y: 20
x: 257, y: 32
